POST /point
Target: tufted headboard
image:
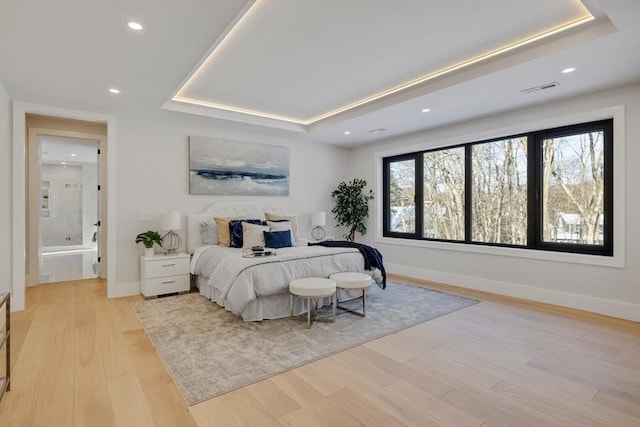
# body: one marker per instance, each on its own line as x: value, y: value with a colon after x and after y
x: 245, y: 209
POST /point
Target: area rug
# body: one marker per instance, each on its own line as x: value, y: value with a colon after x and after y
x: 210, y: 351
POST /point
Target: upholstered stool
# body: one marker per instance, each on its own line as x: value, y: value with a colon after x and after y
x: 353, y: 281
x: 313, y: 288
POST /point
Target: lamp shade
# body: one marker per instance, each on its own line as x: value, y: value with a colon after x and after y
x: 318, y: 218
x: 170, y: 221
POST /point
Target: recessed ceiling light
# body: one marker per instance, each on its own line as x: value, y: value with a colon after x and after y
x: 73, y: 154
x: 63, y: 163
x: 426, y: 110
x: 568, y: 70
x: 134, y: 25
x: 346, y: 132
x: 114, y: 90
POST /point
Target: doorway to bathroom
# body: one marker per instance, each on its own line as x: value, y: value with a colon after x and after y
x: 69, y: 209
x: 64, y: 210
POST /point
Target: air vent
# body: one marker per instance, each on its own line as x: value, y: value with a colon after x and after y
x: 378, y: 130
x: 541, y: 87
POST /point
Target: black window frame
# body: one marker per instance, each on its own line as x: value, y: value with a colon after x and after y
x: 534, y: 181
x: 386, y: 198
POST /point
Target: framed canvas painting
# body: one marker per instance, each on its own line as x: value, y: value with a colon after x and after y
x: 224, y: 167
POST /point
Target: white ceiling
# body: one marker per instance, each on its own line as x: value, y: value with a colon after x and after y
x: 306, y: 69
x: 71, y: 151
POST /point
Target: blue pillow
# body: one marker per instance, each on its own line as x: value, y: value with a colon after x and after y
x: 277, y: 239
x: 235, y: 231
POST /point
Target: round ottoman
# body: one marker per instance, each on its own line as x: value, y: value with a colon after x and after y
x: 313, y: 288
x: 353, y: 281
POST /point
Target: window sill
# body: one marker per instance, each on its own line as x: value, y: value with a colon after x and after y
x: 596, y: 260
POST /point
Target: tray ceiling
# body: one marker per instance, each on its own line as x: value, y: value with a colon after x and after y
x: 302, y: 62
x: 343, y: 72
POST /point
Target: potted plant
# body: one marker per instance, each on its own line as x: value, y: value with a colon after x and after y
x: 148, y: 238
x: 352, y: 206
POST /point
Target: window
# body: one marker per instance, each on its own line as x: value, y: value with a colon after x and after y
x: 547, y: 190
x: 443, y: 194
x: 402, y: 190
x: 576, y: 188
x: 499, y: 191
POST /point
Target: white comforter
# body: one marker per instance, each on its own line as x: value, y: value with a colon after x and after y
x: 237, y: 281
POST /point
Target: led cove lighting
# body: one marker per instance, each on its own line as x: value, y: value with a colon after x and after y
x: 568, y: 70
x: 113, y: 90
x: 401, y: 87
x: 134, y: 25
x: 237, y: 110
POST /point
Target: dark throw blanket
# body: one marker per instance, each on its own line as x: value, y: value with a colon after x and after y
x: 372, y: 256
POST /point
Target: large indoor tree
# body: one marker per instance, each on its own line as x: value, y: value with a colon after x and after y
x: 352, y: 206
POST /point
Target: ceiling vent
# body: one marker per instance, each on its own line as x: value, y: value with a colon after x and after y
x: 378, y: 130
x: 541, y: 87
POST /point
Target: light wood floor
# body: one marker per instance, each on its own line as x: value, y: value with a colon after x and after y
x: 80, y: 359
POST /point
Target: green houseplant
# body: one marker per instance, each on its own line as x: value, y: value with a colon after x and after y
x: 148, y: 238
x: 352, y: 206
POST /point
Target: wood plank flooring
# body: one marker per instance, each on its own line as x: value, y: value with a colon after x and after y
x: 80, y: 359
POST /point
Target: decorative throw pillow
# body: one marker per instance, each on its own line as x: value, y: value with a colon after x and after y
x: 235, y: 231
x: 252, y: 235
x: 209, y: 232
x: 277, y: 217
x: 281, y: 225
x: 277, y: 239
x: 223, y: 229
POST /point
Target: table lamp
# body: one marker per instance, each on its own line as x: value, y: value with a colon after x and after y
x: 318, y: 219
x: 171, y: 221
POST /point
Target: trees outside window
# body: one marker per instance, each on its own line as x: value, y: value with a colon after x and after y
x: 573, y: 189
x: 444, y: 192
x: 499, y: 191
x: 402, y: 189
x: 546, y: 190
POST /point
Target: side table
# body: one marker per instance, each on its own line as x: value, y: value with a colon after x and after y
x: 164, y: 274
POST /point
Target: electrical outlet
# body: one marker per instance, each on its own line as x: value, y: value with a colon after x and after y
x: 143, y: 217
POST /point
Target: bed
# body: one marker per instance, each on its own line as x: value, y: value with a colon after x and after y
x: 256, y: 288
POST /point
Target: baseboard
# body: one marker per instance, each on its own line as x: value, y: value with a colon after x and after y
x: 117, y: 290
x: 618, y: 309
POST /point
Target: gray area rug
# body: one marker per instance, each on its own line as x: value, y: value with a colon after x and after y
x: 210, y: 351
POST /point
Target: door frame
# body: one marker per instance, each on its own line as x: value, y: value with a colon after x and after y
x: 33, y: 239
x: 19, y: 183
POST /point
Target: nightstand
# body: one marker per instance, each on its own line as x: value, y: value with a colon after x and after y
x: 164, y: 274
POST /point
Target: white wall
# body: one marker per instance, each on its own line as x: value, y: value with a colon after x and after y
x: 148, y: 173
x: 153, y: 177
x: 5, y: 191
x: 611, y: 290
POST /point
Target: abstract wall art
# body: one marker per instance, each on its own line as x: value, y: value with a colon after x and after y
x: 225, y: 167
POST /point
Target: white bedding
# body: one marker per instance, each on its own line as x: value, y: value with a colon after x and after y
x: 241, y: 284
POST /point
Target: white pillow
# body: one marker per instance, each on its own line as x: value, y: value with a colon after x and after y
x: 252, y: 235
x: 281, y: 226
x: 209, y: 232
x: 292, y: 218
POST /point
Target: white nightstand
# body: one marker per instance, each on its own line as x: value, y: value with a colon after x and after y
x: 164, y: 274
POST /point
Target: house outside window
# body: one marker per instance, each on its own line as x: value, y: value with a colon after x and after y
x: 545, y: 190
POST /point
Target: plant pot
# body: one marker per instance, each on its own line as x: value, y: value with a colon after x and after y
x: 148, y: 252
